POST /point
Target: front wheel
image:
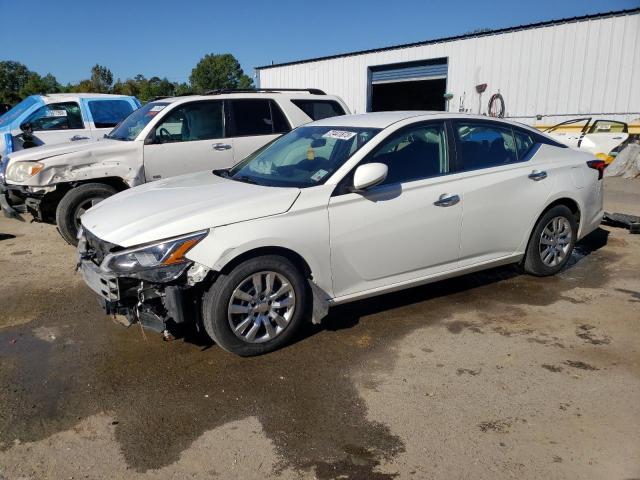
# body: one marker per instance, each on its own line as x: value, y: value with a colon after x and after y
x: 73, y: 205
x: 551, y: 243
x: 257, y: 307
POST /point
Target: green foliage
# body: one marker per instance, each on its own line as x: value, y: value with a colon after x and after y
x: 101, y: 79
x: 18, y: 82
x: 211, y: 72
x: 218, y: 71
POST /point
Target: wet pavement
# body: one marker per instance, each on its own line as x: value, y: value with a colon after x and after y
x: 330, y: 405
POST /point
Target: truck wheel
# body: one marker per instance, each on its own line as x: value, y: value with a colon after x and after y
x: 75, y: 202
x: 257, y: 307
x: 551, y: 242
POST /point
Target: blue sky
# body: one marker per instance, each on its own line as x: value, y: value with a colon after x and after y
x: 167, y: 38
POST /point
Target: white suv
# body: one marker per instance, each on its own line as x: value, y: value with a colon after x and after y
x: 338, y: 210
x: 166, y: 137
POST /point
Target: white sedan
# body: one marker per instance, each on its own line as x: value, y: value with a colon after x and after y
x: 334, y: 211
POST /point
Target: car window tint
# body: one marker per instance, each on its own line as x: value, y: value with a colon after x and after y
x: 251, y: 117
x: 108, y: 113
x: 56, y: 116
x: 482, y: 146
x: 319, y: 109
x: 414, y: 153
x: 524, y: 144
x: 191, y: 122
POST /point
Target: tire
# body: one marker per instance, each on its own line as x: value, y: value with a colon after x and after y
x: 548, y: 254
x: 74, y: 203
x: 227, y: 306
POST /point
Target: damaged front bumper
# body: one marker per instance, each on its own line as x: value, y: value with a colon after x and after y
x: 12, y: 205
x: 163, y: 306
x: 158, y: 307
x: 17, y: 200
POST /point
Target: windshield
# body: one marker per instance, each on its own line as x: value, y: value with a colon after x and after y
x: 18, y: 110
x: 304, y: 157
x: 132, y: 125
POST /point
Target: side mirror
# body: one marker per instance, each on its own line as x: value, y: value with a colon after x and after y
x: 26, y: 127
x: 368, y: 175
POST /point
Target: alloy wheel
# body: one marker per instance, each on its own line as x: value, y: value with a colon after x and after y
x: 261, y: 307
x: 555, y: 241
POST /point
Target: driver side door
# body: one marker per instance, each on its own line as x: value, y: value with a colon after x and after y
x: 407, y: 227
x: 58, y: 123
x: 189, y: 138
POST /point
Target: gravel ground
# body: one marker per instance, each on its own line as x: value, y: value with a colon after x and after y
x: 491, y: 375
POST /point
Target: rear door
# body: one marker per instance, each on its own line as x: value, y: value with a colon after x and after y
x: 503, y: 186
x: 104, y: 114
x: 188, y: 138
x: 58, y: 123
x: 253, y: 122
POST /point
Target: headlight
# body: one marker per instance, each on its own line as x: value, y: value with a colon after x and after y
x: 21, y: 171
x: 159, y: 262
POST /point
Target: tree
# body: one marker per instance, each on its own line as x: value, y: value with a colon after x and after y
x: 40, y: 85
x: 101, y: 79
x: 13, y: 77
x: 218, y: 71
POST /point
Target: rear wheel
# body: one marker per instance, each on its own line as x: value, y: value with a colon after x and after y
x: 551, y: 242
x: 257, y: 307
x: 73, y: 205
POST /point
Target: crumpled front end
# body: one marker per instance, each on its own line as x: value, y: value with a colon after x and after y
x: 162, y: 299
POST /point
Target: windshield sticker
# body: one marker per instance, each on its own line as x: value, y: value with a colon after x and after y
x: 156, y: 108
x: 339, y: 134
x: 56, y: 113
x: 319, y: 175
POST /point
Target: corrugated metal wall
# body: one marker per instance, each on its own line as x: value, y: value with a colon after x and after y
x: 574, y: 68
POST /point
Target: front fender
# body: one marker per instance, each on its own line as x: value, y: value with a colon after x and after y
x: 306, y: 235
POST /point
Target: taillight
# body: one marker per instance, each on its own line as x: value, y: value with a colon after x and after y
x: 599, y: 165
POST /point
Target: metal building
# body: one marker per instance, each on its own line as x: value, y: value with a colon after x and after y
x: 546, y: 72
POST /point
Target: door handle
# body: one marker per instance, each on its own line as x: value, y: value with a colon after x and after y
x: 536, y: 175
x: 221, y: 146
x: 447, y: 200
x: 78, y: 137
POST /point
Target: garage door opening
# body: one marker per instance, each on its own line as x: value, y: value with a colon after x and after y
x: 418, y: 85
x: 413, y: 95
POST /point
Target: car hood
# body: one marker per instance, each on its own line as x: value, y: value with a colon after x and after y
x: 44, y: 152
x: 181, y: 205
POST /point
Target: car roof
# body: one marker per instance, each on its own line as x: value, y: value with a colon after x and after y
x: 386, y: 119
x: 63, y: 96
x: 274, y: 94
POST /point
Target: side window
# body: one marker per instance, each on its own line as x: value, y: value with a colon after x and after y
x: 108, y: 113
x: 319, y: 109
x: 608, y: 126
x: 414, y: 153
x: 191, y: 122
x: 480, y: 145
x: 251, y: 117
x: 524, y: 144
x: 56, y: 116
x: 280, y: 123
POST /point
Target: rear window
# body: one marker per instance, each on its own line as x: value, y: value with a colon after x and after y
x: 319, y: 109
x: 108, y: 113
x: 252, y: 117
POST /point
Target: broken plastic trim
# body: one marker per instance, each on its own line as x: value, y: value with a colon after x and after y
x: 623, y: 220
